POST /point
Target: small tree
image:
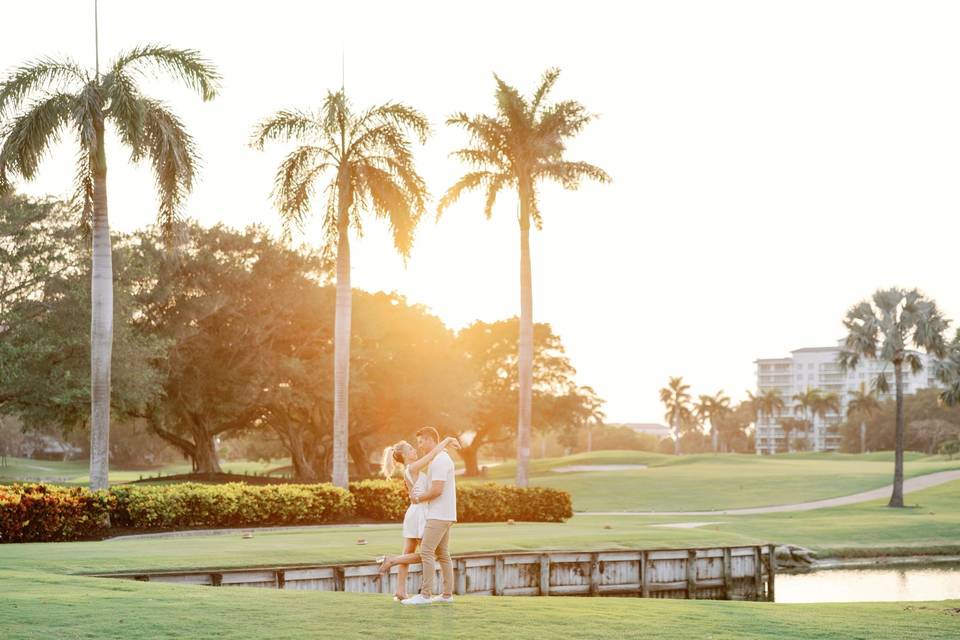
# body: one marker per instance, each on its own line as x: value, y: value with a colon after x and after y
x: 862, y: 406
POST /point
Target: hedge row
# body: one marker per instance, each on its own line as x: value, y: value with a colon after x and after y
x: 41, y: 513
x: 488, y: 502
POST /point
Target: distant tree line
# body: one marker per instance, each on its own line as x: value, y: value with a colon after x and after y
x: 231, y: 337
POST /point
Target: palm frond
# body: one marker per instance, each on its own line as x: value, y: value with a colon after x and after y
x: 294, y: 184
x: 174, y: 158
x: 569, y: 174
x: 513, y: 108
x: 82, y: 201
x: 186, y: 65
x: 30, y: 135
x: 391, y: 201
x: 546, y: 84
x: 45, y: 74
x: 467, y: 182
x: 403, y: 117
x: 284, y: 126
x: 126, y: 110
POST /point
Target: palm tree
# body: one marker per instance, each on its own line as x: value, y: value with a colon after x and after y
x: 862, y: 405
x: 882, y: 329
x: 42, y: 99
x: 788, y: 425
x: 366, y: 160
x: 823, y: 404
x: 712, y: 408
x: 520, y: 146
x: 676, y: 399
x: 771, y: 404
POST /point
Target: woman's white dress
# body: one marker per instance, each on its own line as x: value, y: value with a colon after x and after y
x: 416, y: 517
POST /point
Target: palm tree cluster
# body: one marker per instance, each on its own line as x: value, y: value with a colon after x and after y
x: 355, y: 161
x: 686, y: 416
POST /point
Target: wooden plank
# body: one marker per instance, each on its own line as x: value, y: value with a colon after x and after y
x: 488, y: 561
x: 594, y: 574
x: 680, y: 585
x: 741, y: 551
x: 521, y: 591
x: 619, y: 556
x: 630, y: 587
x: 569, y: 589
x: 644, y: 575
x: 691, y: 574
x: 531, y: 558
x: 562, y: 558
x: 204, y: 579
x: 461, y: 580
x: 757, y: 574
x: 727, y: 575
x: 771, y: 571
x: 671, y: 554
x: 498, y: 576
x: 357, y: 571
x: 313, y: 573
x: 545, y: 574
x: 247, y: 577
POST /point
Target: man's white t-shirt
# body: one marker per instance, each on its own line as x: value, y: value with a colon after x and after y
x: 444, y: 506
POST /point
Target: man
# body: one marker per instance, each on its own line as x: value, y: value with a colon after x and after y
x: 441, y: 501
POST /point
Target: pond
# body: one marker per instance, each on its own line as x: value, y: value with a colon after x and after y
x: 907, y: 583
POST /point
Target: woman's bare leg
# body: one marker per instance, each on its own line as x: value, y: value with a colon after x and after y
x: 409, y: 547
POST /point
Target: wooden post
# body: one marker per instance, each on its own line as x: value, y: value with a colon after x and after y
x: 338, y: 579
x: 281, y: 579
x: 498, y: 576
x: 461, y: 577
x: 691, y: 574
x: 757, y: 574
x: 384, y: 582
x: 594, y: 574
x: 545, y: 574
x: 727, y: 574
x: 771, y: 570
x: 216, y: 579
x: 644, y: 578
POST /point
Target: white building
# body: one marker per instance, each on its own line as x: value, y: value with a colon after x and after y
x: 817, y: 368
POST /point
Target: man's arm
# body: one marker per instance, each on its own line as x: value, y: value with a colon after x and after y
x: 436, y: 488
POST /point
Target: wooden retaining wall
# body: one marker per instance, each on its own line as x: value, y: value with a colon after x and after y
x: 718, y: 573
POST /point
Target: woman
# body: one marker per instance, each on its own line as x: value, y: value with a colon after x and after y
x: 403, y: 453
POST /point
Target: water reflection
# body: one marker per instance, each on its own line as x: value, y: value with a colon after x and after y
x: 871, y: 585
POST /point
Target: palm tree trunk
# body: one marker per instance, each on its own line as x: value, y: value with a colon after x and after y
x: 525, y: 363
x: 101, y: 326
x: 896, y: 499
x: 341, y: 348
x: 676, y: 437
x: 863, y: 436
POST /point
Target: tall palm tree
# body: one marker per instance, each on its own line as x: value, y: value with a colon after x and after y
x: 790, y: 425
x: 822, y: 404
x: 519, y: 147
x: 883, y: 328
x: 676, y: 399
x: 42, y: 99
x: 770, y: 404
x: 366, y: 161
x: 712, y: 409
x: 862, y: 405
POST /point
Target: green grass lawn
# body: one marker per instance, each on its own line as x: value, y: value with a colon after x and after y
x: 43, y: 595
x: 714, y: 482
x: 76, y: 472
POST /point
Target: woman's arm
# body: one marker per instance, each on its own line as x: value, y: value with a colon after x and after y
x: 427, y: 459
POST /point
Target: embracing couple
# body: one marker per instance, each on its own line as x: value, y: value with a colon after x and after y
x: 431, y: 482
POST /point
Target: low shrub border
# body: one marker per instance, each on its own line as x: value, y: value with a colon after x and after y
x: 48, y: 513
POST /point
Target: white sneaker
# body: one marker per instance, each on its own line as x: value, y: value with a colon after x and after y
x: 447, y: 599
x: 417, y: 599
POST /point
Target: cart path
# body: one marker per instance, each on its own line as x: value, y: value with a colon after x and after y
x: 910, y: 484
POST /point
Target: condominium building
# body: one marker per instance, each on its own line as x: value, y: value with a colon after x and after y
x: 817, y: 368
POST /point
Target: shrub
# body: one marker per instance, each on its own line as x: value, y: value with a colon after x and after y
x: 489, y: 502
x: 37, y: 513
x: 384, y: 500
x: 229, y: 505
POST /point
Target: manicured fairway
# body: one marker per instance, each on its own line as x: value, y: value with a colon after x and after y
x: 45, y: 606
x: 41, y: 595
x: 716, y: 482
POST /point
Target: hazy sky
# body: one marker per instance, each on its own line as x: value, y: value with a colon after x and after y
x: 773, y: 162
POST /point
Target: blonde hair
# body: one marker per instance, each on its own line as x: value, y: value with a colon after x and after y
x: 392, y: 458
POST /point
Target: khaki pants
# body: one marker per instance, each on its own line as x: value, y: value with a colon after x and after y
x: 433, y: 549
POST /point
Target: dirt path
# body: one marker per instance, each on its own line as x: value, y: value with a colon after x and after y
x: 910, y: 484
